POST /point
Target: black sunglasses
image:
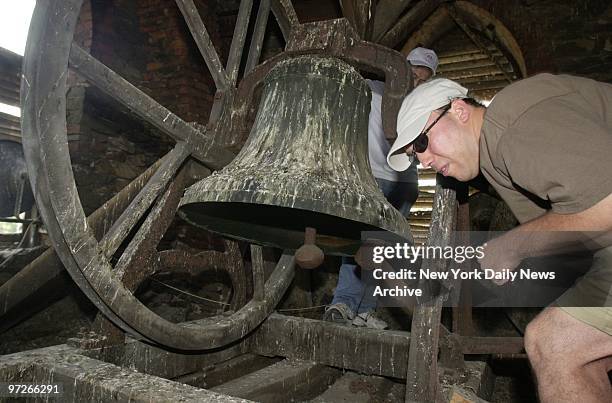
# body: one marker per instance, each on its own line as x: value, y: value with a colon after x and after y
x: 419, y: 145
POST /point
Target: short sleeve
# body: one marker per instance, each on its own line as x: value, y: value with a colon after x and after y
x: 560, y: 151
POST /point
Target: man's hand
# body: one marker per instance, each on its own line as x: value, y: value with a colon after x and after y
x: 500, y: 256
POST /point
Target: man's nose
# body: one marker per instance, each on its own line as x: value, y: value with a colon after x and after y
x: 425, y: 158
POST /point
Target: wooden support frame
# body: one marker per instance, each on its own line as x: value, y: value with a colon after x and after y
x: 287, y: 380
x: 422, y: 374
x: 85, y: 379
x: 364, y: 350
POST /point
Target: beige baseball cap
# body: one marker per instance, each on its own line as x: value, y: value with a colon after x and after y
x: 415, y: 111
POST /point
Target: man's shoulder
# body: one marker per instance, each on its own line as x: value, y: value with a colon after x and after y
x: 517, y: 98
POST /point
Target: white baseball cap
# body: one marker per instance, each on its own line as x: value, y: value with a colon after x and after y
x: 414, y: 112
x: 423, y: 57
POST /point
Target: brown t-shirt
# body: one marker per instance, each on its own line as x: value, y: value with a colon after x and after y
x: 546, y: 143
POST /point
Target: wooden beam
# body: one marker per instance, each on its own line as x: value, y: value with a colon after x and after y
x: 369, y: 351
x: 284, y: 381
x: 259, y: 279
x: 409, y: 22
x: 217, y: 374
x: 285, y: 16
x: 143, y: 200
x: 237, y: 46
x: 258, y: 36
x: 387, y: 12
x: 361, y: 14
x: 156, y: 361
x: 422, y: 375
x: 84, y: 379
x: 492, y: 345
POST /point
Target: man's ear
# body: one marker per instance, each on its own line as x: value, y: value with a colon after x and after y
x: 461, y: 110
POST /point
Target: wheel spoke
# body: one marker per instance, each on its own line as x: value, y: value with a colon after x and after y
x: 360, y: 14
x: 49, y: 53
x: 258, y: 273
x: 258, y: 36
x: 240, y: 31
x: 229, y: 262
x: 202, y: 39
x: 147, y: 108
x: 136, y: 263
x: 141, y: 203
x: 188, y: 263
x: 285, y: 16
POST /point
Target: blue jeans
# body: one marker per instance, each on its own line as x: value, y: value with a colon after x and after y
x: 350, y: 290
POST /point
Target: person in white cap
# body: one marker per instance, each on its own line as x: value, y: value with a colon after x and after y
x: 423, y: 64
x: 545, y: 145
x: 351, y: 303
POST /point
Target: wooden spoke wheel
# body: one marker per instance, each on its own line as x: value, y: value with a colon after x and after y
x: 111, y: 252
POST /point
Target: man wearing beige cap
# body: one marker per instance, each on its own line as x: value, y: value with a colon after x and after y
x: 351, y: 303
x: 545, y: 145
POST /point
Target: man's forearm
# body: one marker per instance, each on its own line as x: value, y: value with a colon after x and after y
x: 561, y: 233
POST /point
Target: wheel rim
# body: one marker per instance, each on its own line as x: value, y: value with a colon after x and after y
x: 45, y: 142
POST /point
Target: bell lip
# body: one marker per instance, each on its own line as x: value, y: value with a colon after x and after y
x: 288, y: 238
x: 392, y: 220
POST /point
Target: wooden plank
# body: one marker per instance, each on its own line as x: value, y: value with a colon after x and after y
x: 137, y: 262
x: 154, y: 187
x: 240, y: 31
x: 11, y: 59
x: 85, y: 379
x: 492, y: 345
x: 258, y: 273
x: 361, y: 14
x: 462, y: 313
x: 226, y: 371
x: 285, y: 16
x: 288, y: 380
x: 486, y: 62
x: 9, y: 126
x: 15, y: 120
x: 9, y: 99
x: 257, y: 39
x: 422, y: 374
x: 156, y: 361
x: 369, y: 351
x: 409, y: 22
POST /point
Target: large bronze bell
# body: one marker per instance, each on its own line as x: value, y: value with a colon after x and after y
x: 305, y: 164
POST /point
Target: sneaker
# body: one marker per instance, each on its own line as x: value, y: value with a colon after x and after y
x: 369, y: 319
x: 339, y: 313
